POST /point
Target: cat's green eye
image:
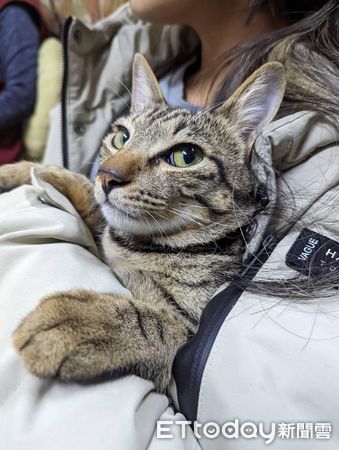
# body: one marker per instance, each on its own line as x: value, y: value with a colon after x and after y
x: 120, y: 137
x: 185, y: 155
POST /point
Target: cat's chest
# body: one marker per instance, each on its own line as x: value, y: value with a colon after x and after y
x: 190, y: 279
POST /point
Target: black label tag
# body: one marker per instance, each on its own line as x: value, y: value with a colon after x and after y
x: 313, y: 254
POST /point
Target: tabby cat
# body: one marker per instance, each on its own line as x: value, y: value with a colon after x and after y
x: 174, y: 190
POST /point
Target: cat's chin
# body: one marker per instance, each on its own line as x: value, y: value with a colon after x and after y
x: 135, y: 224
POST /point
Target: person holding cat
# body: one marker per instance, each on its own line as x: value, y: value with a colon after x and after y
x: 240, y: 178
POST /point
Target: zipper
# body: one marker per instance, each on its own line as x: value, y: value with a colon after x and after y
x: 191, y: 359
x: 64, y: 125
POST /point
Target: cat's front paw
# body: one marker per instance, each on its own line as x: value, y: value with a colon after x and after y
x: 68, y: 336
x: 84, y: 336
x: 14, y: 175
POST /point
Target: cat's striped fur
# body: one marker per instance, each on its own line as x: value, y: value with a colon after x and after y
x: 173, y: 235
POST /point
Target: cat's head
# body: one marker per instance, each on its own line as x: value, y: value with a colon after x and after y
x: 166, y: 170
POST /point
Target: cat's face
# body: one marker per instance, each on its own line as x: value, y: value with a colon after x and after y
x: 177, y: 170
x: 166, y: 170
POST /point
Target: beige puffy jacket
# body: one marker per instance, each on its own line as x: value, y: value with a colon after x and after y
x: 263, y: 359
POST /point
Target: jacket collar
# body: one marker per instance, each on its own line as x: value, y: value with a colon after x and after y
x: 283, y: 159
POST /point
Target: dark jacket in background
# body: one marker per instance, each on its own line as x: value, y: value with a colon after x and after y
x: 21, y: 30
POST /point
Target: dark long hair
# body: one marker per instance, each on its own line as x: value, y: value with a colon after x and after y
x: 309, y: 49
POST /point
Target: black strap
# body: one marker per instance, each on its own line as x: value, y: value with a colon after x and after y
x: 191, y: 359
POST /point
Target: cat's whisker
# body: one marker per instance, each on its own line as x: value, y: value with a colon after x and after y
x: 185, y: 213
x: 127, y: 89
x: 214, y: 222
x: 159, y: 227
x: 192, y: 206
x: 209, y: 108
x: 240, y: 209
x: 189, y: 217
x: 211, y: 222
x: 149, y: 224
x: 168, y: 219
x: 240, y: 224
x: 154, y: 221
x: 157, y: 223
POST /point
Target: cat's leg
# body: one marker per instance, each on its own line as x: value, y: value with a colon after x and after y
x: 77, y: 188
x: 16, y: 174
x: 84, y: 336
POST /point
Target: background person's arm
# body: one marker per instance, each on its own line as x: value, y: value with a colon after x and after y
x: 19, y: 38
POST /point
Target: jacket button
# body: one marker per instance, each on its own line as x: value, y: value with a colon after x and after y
x: 42, y: 200
x: 79, y: 128
x: 250, y: 230
x: 77, y: 35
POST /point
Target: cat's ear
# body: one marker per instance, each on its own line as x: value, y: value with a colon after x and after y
x: 145, y: 88
x: 255, y: 103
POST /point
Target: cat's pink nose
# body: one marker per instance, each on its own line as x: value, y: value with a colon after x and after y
x: 111, y: 179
